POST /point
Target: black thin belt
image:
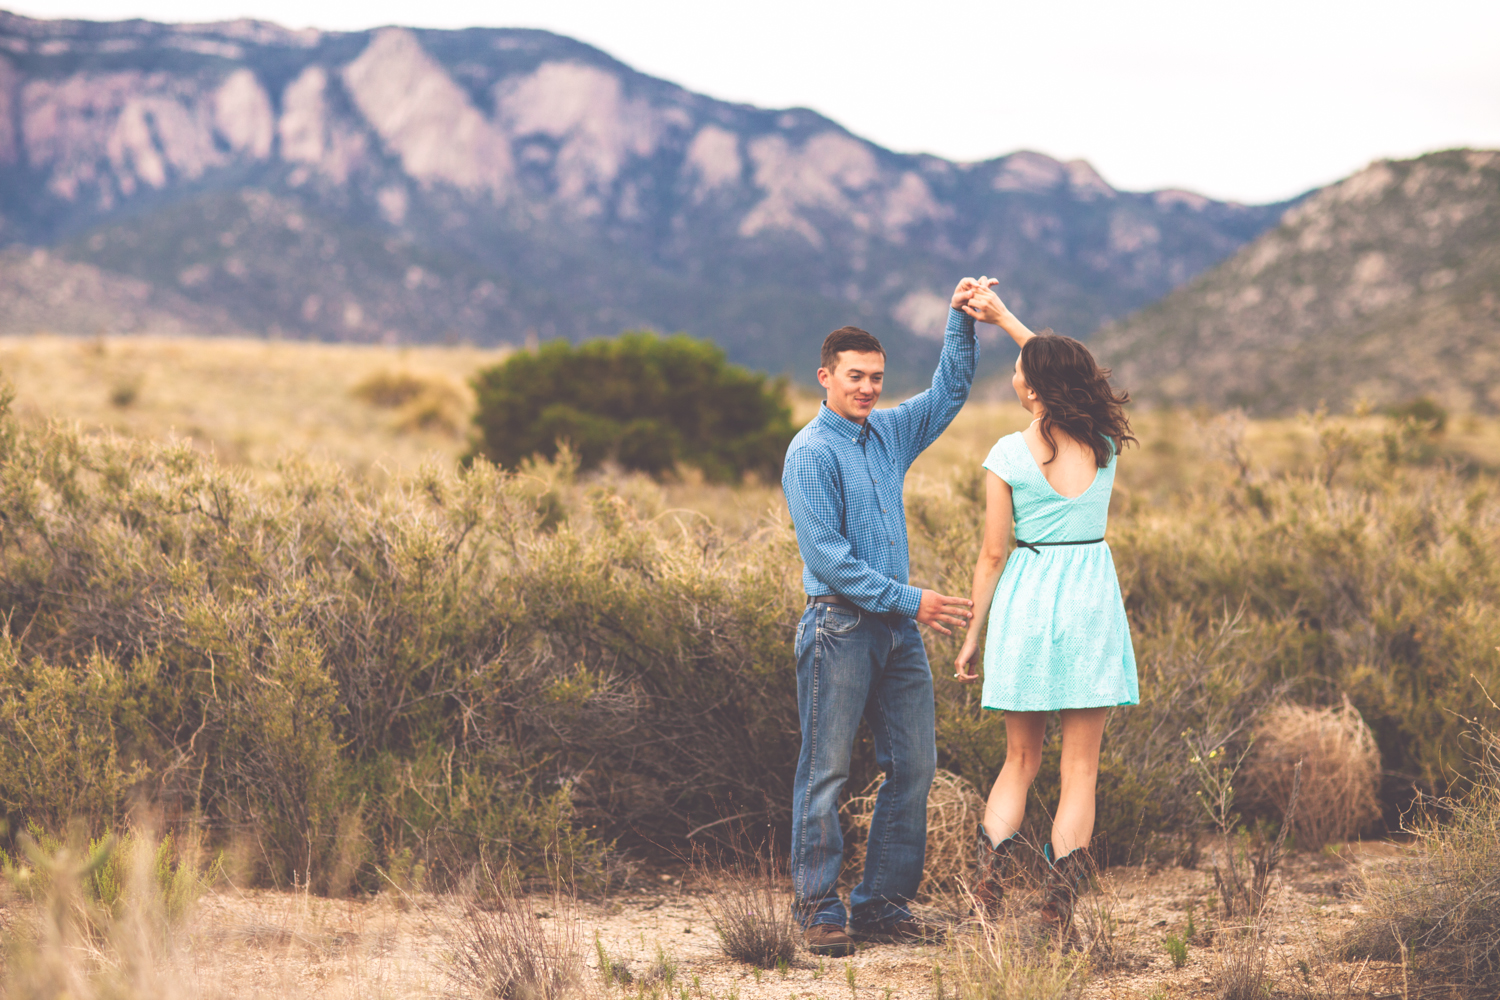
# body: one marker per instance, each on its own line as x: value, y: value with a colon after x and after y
x: 1036, y: 546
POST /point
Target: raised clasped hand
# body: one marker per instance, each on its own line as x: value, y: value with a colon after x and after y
x: 982, y: 302
x: 966, y: 288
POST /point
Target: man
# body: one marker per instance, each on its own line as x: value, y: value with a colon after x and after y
x: 859, y: 653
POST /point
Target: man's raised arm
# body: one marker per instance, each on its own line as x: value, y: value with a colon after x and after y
x: 919, y: 421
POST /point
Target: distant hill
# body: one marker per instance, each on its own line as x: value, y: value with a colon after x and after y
x: 488, y: 184
x: 1381, y: 288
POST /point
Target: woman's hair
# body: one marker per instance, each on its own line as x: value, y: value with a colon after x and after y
x: 1076, y: 395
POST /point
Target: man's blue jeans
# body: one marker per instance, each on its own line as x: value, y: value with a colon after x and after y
x: 853, y: 665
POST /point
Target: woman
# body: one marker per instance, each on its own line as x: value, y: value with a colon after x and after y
x: 1057, y: 639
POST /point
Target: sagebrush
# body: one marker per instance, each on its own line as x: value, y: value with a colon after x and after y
x: 333, y: 679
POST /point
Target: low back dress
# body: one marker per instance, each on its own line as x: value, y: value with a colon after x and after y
x: 1058, y: 637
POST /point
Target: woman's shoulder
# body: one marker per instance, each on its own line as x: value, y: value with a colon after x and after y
x: 999, y: 459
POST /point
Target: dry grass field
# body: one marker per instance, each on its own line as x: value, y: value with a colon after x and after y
x: 659, y: 942
x: 249, y: 402
x: 254, y: 402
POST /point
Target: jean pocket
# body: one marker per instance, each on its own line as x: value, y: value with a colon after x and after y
x: 797, y: 642
x: 838, y: 619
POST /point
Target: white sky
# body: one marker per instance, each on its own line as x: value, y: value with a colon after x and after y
x: 1252, y: 102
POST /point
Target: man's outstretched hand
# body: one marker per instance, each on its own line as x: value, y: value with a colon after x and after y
x: 937, y: 610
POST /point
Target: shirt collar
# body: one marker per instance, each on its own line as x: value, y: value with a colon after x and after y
x: 842, y: 426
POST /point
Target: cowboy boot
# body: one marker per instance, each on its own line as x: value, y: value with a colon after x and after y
x: 1065, y: 879
x: 998, y: 866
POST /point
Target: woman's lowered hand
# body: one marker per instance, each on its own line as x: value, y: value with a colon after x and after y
x: 963, y: 670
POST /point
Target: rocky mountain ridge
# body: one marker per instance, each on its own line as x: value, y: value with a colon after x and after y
x: 488, y: 184
x: 1376, y: 290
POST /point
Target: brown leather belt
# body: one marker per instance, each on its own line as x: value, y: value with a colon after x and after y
x: 842, y: 602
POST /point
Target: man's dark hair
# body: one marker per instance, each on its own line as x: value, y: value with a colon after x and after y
x: 848, y: 338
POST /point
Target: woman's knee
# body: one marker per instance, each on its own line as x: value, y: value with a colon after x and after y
x: 1078, y: 773
x: 1023, y: 761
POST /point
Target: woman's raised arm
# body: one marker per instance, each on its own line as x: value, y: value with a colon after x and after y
x: 985, y: 306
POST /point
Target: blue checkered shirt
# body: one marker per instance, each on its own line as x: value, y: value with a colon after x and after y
x: 843, y: 483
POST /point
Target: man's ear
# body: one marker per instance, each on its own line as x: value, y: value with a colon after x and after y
x: 824, y: 377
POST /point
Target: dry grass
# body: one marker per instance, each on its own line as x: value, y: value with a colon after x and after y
x: 749, y: 902
x: 1001, y: 958
x: 1241, y: 964
x: 1340, y: 770
x: 252, y: 401
x: 954, y: 811
x: 506, y: 951
x: 1437, y: 910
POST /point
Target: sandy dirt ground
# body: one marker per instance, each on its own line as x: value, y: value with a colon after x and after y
x: 282, y: 944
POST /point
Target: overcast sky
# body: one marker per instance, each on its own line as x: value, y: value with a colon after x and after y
x: 1252, y: 102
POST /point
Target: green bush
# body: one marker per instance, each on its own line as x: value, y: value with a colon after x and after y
x: 644, y: 401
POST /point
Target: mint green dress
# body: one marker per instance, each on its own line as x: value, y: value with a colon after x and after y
x: 1058, y: 637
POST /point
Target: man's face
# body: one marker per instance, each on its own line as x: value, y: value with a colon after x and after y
x: 854, y: 384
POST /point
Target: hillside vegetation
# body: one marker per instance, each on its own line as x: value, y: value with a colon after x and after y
x: 1378, y: 289
x: 329, y: 673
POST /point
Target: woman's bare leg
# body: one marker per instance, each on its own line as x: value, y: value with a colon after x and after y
x: 1073, y: 824
x: 1023, y: 755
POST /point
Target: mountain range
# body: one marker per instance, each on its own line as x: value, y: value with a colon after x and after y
x: 1377, y: 290
x: 498, y: 185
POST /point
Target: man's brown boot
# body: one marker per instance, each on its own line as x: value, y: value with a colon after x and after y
x: 828, y: 939
x: 998, y: 866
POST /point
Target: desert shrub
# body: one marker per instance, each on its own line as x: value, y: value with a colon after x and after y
x: 1424, y: 411
x: 644, y: 401
x: 1340, y: 770
x: 422, y: 402
x: 173, y: 873
x: 1437, y: 908
x: 749, y: 902
x: 487, y: 666
x: 505, y: 950
x: 390, y: 387
x: 64, y: 735
x: 954, y: 811
x: 338, y: 675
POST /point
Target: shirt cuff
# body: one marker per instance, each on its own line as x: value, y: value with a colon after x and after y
x: 908, y: 600
x: 960, y: 322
